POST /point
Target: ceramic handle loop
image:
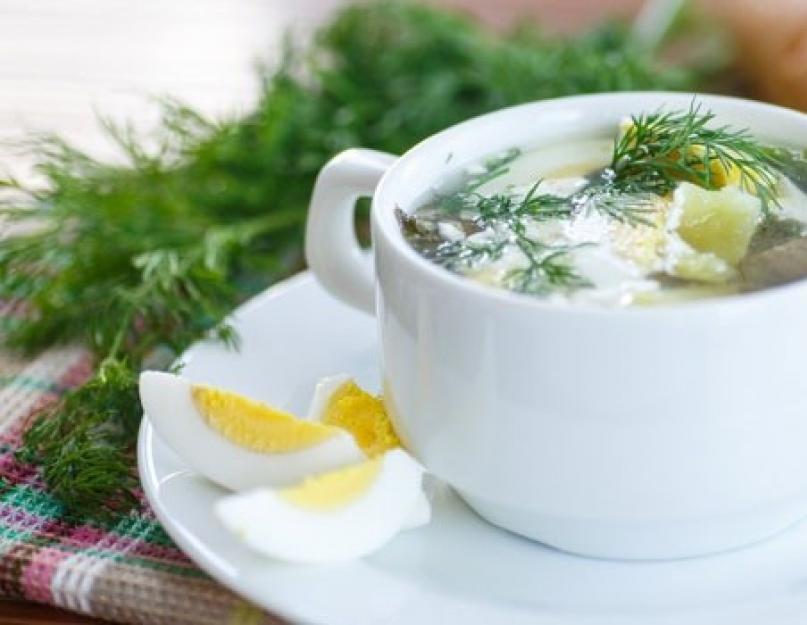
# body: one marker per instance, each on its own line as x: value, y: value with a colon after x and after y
x: 331, y: 247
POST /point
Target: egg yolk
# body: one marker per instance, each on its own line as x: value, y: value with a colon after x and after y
x: 254, y: 425
x: 642, y: 244
x: 362, y: 415
x: 722, y: 174
x: 335, y: 489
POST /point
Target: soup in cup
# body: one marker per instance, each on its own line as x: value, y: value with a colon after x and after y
x: 619, y: 372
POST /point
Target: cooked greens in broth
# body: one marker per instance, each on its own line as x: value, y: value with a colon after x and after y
x: 675, y: 208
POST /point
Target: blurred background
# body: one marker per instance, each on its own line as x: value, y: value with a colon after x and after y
x: 64, y: 63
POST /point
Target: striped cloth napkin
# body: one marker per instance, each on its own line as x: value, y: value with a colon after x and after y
x: 128, y: 571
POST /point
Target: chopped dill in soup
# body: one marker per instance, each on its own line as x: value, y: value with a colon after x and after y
x: 675, y: 208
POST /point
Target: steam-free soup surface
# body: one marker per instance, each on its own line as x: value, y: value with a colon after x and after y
x: 616, y: 222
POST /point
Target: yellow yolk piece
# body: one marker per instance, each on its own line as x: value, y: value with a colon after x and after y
x: 335, y: 489
x: 727, y: 174
x: 254, y: 425
x: 721, y: 174
x: 362, y: 415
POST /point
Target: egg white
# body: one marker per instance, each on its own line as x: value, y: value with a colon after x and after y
x: 276, y: 527
x: 323, y: 392
x: 168, y: 404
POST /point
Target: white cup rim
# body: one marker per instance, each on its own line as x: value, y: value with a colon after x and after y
x: 386, y: 230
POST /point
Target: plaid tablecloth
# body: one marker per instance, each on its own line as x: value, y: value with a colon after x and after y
x: 128, y: 571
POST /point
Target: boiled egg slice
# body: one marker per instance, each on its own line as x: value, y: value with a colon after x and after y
x: 338, y: 401
x: 336, y: 516
x: 237, y: 442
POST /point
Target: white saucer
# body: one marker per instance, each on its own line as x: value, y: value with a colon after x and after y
x: 458, y: 569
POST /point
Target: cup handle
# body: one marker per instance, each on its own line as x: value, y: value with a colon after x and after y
x: 331, y: 248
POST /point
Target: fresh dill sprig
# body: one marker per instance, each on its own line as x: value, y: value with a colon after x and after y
x: 466, y: 196
x: 512, y: 207
x: 504, y: 217
x: 547, y: 270
x: 467, y: 201
x: 546, y: 206
x: 659, y: 150
x: 634, y: 208
x: 84, y: 443
x: 547, y: 267
x: 459, y: 255
x: 493, y: 168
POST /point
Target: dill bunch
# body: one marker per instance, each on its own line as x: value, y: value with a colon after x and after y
x: 150, y: 255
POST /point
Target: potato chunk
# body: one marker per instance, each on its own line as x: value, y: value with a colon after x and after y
x: 721, y: 222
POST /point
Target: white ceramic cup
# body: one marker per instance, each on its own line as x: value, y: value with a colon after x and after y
x: 646, y: 433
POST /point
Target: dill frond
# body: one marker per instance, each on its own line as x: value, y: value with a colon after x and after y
x: 658, y: 150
